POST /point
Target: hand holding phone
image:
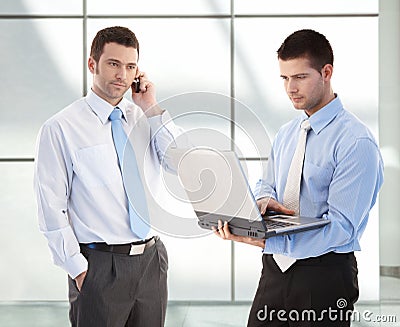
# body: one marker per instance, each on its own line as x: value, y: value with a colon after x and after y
x: 143, y: 95
x: 136, y: 85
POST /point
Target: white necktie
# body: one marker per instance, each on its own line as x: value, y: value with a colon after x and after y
x: 291, y: 196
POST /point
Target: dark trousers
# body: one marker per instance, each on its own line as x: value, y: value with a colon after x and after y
x: 318, y: 291
x: 121, y: 290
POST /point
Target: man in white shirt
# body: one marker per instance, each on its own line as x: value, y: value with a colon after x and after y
x: 115, y: 277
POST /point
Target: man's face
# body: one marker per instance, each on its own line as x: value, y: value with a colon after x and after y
x: 307, y: 88
x: 114, y: 73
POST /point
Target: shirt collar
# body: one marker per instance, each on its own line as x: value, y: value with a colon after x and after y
x: 324, y: 116
x: 102, y: 108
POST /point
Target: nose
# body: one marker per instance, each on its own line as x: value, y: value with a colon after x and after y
x: 291, y: 86
x: 121, y: 73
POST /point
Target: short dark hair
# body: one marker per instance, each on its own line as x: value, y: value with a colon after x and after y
x: 117, y: 34
x: 307, y: 44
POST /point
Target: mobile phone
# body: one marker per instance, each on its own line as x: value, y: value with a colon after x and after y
x: 136, y: 85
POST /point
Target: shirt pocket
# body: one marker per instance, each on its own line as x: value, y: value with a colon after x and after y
x: 97, y: 165
x: 317, y: 179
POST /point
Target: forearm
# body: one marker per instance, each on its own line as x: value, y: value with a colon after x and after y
x: 254, y: 241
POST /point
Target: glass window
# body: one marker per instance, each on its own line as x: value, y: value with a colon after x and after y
x: 355, y: 79
x: 189, y: 67
x: 296, y: 7
x: 41, y: 74
x: 177, y: 54
x: 42, y: 7
x: 199, y: 268
x: 189, y: 61
x: 368, y: 258
x: 158, y: 7
x: 27, y: 272
x: 251, y: 137
x: 248, y: 266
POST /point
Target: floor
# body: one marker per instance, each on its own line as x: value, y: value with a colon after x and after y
x: 194, y: 314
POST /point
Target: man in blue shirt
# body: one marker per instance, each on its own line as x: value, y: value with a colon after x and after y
x: 342, y: 174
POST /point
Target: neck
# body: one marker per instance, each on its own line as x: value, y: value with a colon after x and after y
x: 327, y: 99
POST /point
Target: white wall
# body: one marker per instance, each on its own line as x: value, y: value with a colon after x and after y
x: 389, y: 119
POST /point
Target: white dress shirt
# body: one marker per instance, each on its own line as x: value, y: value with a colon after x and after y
x: 78, y: 183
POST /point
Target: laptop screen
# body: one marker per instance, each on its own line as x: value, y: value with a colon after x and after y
x: 215, y: 182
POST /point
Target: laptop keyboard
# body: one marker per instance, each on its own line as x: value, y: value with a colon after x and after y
x: 276, y: 224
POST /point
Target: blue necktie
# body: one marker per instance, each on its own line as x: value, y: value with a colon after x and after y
x: 138, y: 211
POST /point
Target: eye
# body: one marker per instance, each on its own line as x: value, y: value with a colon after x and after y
x: 131, y: 67
x: 113, y: 64
x: 301, y: 76
x: 284, y: 78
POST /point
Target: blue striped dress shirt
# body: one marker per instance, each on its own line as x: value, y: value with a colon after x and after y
x: 342, y: 174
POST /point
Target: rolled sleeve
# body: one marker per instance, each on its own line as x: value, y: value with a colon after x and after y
x: 164, y: 134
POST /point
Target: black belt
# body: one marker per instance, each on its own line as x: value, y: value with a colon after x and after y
x: 133, y: 248
x: 330, y: 257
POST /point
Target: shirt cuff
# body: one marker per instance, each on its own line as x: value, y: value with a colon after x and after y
x: 261, y: 196
x: 76, y: 265
x: 157, y: 121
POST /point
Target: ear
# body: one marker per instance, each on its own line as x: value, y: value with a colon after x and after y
x: 92, y: 65
x: 327, y: 71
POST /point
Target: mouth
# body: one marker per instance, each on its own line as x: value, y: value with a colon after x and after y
x: 119, y: 84
x: 296, y: 99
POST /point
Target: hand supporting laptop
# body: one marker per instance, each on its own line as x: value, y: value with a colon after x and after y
x: 263, y: 204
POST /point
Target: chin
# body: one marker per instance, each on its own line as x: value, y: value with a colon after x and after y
x: 119, y: 94
x: 298, y: 106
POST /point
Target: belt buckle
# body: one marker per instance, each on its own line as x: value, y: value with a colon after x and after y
x: 137, y: 249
